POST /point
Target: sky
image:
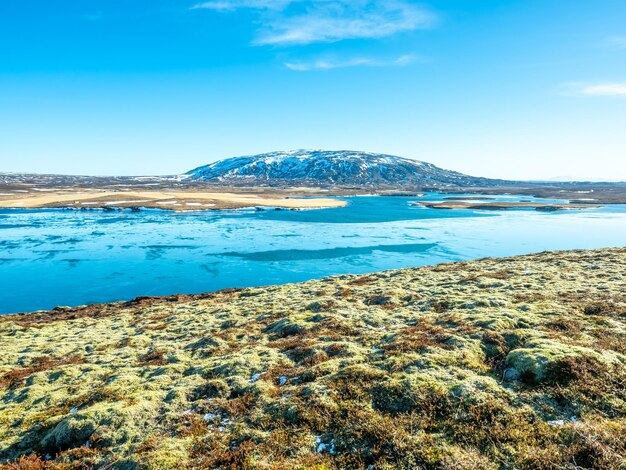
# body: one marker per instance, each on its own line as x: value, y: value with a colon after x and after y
x: 529, y: 89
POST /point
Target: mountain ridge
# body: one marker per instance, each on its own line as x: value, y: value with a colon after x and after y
x: 333, y: 167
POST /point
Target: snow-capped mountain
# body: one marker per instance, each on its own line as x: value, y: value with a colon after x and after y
x: 319, y: 167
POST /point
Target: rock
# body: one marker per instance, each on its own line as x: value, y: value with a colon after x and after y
x: 511, y: 374
x: 254, y: 378
x: 556, y: 422
x: 322, y: 447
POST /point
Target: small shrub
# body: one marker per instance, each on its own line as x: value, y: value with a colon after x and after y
x: 33, y: 462
x: 285, y: 327
x: 419, y: 338
x: 321, y: 306
x: 345, y: 293
x: 336, y: 349
x: 362, y: 280
x: 565, y: 370
x: 215, y: 388
x: 440, y: 305
x: 15, y: 378
x: 498, y: 274
x: 495, y: 347
x: 427, y: 398
x: 383, y: 301
x: 154, y: 357
x: 605, y: 308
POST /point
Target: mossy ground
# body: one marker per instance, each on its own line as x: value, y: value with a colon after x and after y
x: 497, y: 363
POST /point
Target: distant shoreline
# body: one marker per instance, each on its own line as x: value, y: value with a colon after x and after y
x: 180, y: 201
x: 502, y: 206
x: 230, y: 194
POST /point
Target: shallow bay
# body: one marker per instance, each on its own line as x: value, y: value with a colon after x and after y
x: 66, y: 257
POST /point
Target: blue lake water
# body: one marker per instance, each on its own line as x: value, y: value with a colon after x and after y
x: 62, y: 257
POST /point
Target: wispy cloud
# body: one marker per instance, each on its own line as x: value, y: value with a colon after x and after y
x: 618, y: 42
x: 598, y: 89
x: 329, y: 64
x: 336, y: 21
x: 230, y: 5
x: 300, y: 22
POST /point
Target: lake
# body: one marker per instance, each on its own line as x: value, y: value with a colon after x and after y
x: 65, y: 257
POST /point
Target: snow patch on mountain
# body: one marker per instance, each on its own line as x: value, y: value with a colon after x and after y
x: 321, y: 167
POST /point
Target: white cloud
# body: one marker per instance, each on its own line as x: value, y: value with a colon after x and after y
x: 405, y: 60
x: 229, y: 5
x: 600, y: 89
x: 299, y: 22
x: 336, y: 21
x: 329, y: 64
x: 618, y: 42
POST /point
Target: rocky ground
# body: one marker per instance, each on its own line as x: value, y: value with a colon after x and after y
x: 491, y: 364
x: 503, y: 206
x: 101, y: 191
x: 576, y: 193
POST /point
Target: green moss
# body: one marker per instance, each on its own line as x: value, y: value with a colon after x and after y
x: 215, y: 388
x: 538, y: 359
x: 166, y: 454
x: 455, y: 366
x: 287, y: 327
x: 73, y: 431
x: 411, y: 393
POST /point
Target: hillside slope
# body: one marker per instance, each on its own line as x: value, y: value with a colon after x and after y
x: 507, y: 363
x: 319, y: 167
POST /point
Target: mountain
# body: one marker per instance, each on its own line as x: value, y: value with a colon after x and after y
x: 324, y: 168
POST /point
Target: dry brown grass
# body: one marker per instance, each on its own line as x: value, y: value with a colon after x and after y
x: 15, y: 378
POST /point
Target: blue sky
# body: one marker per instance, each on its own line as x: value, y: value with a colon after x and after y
x: 512, y: 89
